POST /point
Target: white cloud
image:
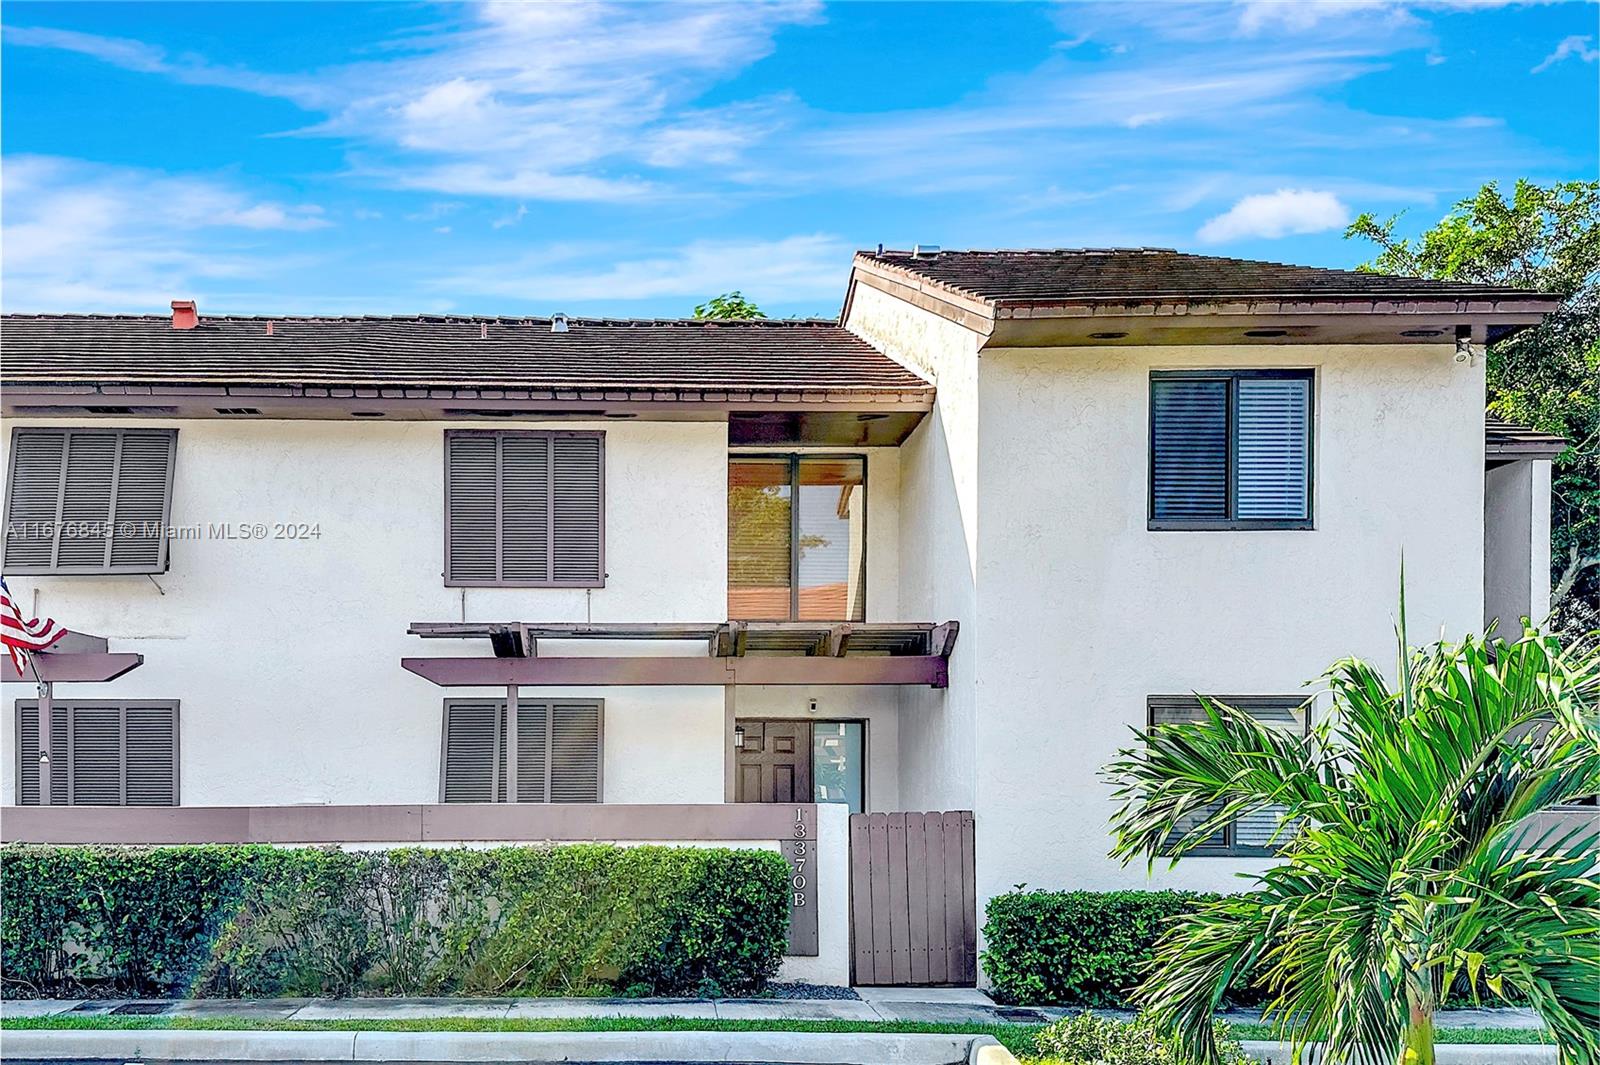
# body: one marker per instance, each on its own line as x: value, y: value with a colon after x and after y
x: 528, y: 101
x: 1569, y: 47
x: 1299, y: 16
x: 1277, y: 214
x: 771, y: 271
x: 85, y: 237
x: 513, y: 219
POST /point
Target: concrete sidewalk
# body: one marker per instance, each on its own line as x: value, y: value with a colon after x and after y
x: 927, y: 1004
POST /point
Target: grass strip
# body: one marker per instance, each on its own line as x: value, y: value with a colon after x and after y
x: 1469, y: 1036
x: 1018, y: 1038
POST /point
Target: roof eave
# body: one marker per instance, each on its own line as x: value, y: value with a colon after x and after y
x: 1512, y: 305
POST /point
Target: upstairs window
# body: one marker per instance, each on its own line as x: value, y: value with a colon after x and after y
x: 524, y: 508
x: 1256, y: 834
x: 797, y: 538
x: 90, y: 501
x: 101, y: 754
x: 1230, y: 449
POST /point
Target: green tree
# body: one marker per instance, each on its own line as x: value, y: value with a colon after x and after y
x: 1545, y: 237
x: 1406, y: 866
x: 730, y: 306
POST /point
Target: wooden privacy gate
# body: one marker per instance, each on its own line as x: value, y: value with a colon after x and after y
x: 913, y: 905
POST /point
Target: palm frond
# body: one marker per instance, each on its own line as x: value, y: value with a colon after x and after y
x: 1422, y: 859
x: 1187, y: 780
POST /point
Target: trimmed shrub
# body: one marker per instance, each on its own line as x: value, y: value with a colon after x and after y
x: 261, y: 921
x: 1086, y: 1039
x: 1075, y: 948
x: 1091, y: 948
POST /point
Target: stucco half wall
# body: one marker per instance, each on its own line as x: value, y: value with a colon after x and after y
x: 285, y: 652
x: 1063, y: 460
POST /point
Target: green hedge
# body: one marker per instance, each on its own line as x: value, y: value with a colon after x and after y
x: 1075, y: 948
x: 1090, y: 948
x: 253, y: 920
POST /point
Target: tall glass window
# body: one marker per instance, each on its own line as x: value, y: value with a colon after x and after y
x: 797, y: 538
x: 838, y: 762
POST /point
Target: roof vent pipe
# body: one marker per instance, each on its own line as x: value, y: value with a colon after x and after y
x: 558, y: 323
x: 184, y: 315
x: 924, y: 251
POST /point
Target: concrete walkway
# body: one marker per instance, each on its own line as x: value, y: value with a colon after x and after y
x: 929, y: 1004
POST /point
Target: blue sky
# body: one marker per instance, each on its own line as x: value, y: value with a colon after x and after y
x: 635, y: 159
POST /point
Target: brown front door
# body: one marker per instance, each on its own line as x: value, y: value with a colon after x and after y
x: 774, y: 763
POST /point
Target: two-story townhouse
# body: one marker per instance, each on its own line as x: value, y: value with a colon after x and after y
x: 948, y: 553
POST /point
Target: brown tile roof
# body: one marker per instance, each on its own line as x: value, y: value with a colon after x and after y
x: 1139, y: 273
x: 1508, y: 440
x: 448, y: 352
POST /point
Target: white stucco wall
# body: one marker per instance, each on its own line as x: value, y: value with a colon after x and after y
x: 938, y: 525
x: 285, y: 654
x: 1084, y: 612
x: 1516, y: 551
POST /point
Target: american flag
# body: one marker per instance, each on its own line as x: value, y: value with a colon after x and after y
x: 21, y: 636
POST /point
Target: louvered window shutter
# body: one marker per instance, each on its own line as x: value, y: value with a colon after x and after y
x: 141, y: 504
x: 473, y: 508
x: 33, y: 493
x: 150, y: 740
x: 525, y: 503
x: 575, y: 752
x: 577, y: 509
x: 102, y: 754
x: 1273, y: 416
x: 1189, y: 449
x: 472, y: 734
x: 558, y: 751
x: 1254, y: 832
x: 28, y: 755
x: 96, y: 759
x: 89, y: 500
x: 525, y: 508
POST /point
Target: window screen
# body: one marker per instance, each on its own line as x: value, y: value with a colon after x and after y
x: 101, y: 754
x: 559, y: 750
x: 88, y: 500
x: 1253, y: 834
x: 524, y: 508
x: 1230, y: 449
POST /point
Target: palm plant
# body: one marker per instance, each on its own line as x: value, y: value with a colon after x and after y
x: 1406, y: 864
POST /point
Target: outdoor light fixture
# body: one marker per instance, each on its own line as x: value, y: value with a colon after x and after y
x: 738, y: 737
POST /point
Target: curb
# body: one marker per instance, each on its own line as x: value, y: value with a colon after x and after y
x: 1275, y: 1053
x: 790, y: 1048
x: 986, y: 1050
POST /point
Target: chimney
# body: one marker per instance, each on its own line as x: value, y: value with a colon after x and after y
x: 184, y: 316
